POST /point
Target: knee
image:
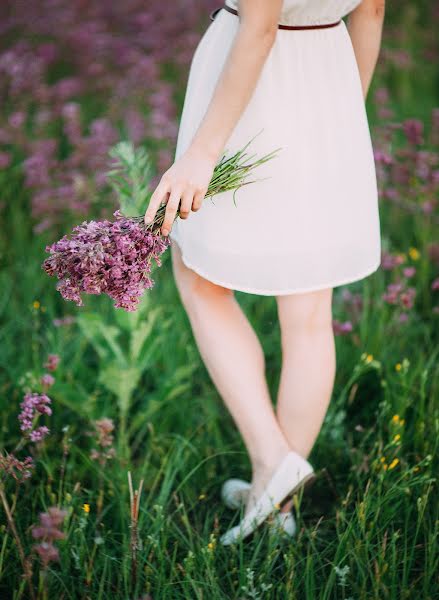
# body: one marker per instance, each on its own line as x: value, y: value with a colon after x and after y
x: 307, y: 313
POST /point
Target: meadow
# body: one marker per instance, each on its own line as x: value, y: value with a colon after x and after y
x: 114, y: 442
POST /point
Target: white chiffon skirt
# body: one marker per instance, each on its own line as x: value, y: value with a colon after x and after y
x: 312, y: 221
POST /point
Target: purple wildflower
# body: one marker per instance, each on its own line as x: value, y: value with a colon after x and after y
x: 390, y: 261
x: 49, y: 523
x: 5, y: 160
x: 104, y: 257
x: 104, y: 428
x: 392, y: 293
x: 52, y: 362
x: 47, y: 380
x: 48, y: 531
x: 400, y: 295
x: 341, y: 328
x: 38, y: 434
x: 409, y: 271
x: 33, y: 402
x: 413, y: 129
x: 47, y: 552
x: 18, y: 469
x: 407, y: 297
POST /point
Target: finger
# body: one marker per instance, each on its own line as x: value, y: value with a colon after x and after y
x: 186, y: 203
x: 157, y: 197
x: 198, y: 200
x: 171, y: 209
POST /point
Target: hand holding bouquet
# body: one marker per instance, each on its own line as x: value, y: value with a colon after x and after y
x: 115, y: 257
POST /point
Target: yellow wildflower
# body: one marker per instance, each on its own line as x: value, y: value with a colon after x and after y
x: 414, y: 253
x: 385, y: 467
x: 211, y: 545
x: 394, y: 462
x: 86, y: 508
x: 36, y: 304
x: 201, y: 496
x: 402, y: 421
x: 382, y: 459
x: 369, y: 358
x: 397, y: 437
x: 398, y: 366
x: 395, y: 418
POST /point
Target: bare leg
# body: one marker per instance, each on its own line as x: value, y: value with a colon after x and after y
x: 235, y: 361
x: 308, y: 367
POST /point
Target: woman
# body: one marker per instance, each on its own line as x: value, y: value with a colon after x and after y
x: 295, y: 74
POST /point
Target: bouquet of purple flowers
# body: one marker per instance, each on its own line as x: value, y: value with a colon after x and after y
x: 106, y: 257
x: 115, y: 257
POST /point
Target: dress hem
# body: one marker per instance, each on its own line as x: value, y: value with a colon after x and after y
x: 259, y: 292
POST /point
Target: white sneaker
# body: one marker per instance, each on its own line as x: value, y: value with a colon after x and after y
x: 234, y: 494
x: 290, y: 475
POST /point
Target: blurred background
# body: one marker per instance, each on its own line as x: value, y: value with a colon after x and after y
x: 130, y: 392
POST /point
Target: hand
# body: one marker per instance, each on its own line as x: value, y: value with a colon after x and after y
x: 186, y: 180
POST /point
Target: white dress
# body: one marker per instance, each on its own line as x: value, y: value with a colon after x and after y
x: 313, y: 222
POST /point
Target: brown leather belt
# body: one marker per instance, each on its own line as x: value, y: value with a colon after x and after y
x: 235, y: 12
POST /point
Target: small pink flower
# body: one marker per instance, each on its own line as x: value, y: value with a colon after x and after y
x: 39, y: 434
x: 390, y: 261
x: 18, y: 469
x: 47, y: 552
x: 409, y: 271
x: 341, y: 328
x: 47, y: 380
x: 48, y: 531
x: 52, y: 362
x: 5, y: 160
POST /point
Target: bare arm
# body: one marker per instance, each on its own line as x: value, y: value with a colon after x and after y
x: 257, y: 31
x: 365, y: 24
x: 188, y: 178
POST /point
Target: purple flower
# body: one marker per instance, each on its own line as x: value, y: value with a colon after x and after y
x: 32, y: 403
x: 413, y: 129
x: 5, y: 160
x: 52, y: 362
x: 409, y: 271
x: 48, y: 531
x: 17, y: 119
x: 39, y: 434
x: 398, y: 294
x: 47, y: 552
x: 407, y: 297
x: 341, y: 328
x: 105, y: 257
x: 47, y: 380
x: 435, y: 284
x: 18, y: 469
x: 382, y: 157
x: 390, y: 261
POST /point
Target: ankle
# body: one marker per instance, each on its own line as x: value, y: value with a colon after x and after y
x: 270, y: 459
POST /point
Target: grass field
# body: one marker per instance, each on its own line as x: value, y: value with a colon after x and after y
x: 130, y: 396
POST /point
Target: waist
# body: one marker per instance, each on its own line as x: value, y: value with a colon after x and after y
x: 280, y: 26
